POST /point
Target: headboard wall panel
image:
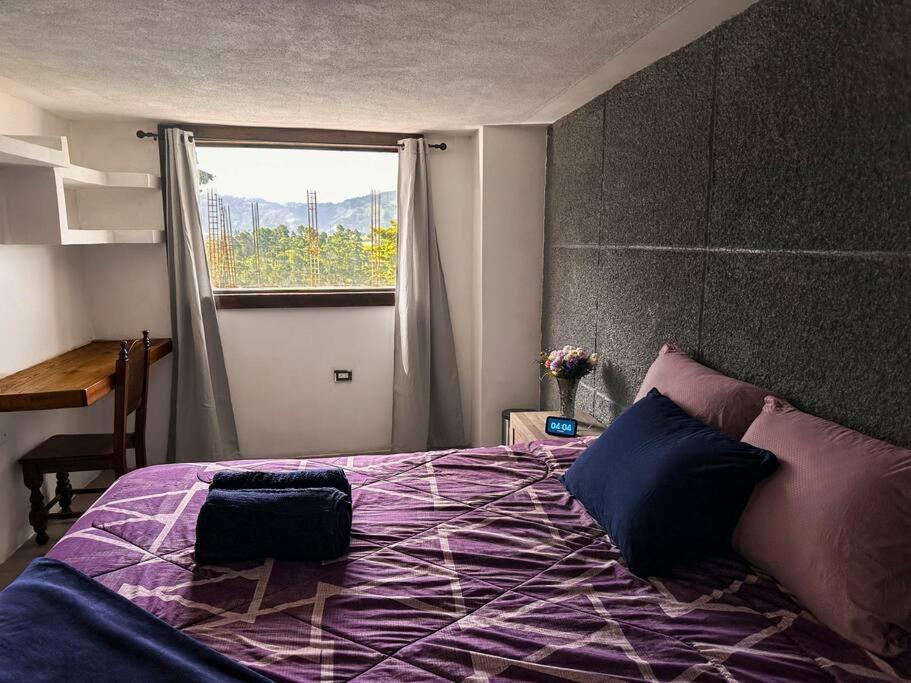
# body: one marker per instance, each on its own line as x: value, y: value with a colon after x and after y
x: 748, y: 197
x: 812, y: 136
x: 656, y: 152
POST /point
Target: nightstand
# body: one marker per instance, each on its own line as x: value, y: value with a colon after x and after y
x: 529, y: 426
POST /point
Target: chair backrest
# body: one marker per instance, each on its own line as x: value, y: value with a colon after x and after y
x: 131, y: 391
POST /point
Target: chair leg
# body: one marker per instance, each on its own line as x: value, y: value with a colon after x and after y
x: 64, y: 491
x: 140, y: 450
x: 37, y: 515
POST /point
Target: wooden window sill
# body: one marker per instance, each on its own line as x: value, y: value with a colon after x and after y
x: 297, y: 298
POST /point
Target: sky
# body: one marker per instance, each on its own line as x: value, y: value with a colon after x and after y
x: 285, y: 175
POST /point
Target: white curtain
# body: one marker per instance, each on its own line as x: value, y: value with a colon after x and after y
x: 427, y: 401
x: 202, y: 418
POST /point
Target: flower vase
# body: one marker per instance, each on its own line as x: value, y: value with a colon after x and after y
x: 568, y: 389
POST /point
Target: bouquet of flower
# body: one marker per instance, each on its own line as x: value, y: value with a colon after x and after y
x: 570, y: 362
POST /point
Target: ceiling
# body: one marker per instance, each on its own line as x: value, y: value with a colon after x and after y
x: 399, y: 65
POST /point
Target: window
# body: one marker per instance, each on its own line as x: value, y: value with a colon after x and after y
x: 284, y: 221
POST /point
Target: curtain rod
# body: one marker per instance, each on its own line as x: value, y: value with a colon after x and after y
x: 141, y: 134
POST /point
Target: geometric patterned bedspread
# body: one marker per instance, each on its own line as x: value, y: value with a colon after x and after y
x: 468, y: 565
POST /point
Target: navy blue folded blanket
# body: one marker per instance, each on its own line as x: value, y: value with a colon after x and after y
x: 324, y: 477
x: 57, y: 624
x: 287, y: 524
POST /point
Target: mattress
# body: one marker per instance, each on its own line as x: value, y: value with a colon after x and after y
x: 464, y: 565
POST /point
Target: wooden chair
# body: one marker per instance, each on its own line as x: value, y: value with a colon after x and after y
x: 65, y: 453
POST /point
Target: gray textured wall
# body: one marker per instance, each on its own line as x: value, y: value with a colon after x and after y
x: 748, y: 197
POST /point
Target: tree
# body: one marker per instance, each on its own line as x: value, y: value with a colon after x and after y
x: 384, y: 254
x: 347, y: 258
x: 343, y: 260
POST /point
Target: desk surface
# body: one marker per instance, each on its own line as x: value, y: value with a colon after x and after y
x: 74, y: 379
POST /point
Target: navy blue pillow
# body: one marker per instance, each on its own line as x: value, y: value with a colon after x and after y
x: 665, y: 486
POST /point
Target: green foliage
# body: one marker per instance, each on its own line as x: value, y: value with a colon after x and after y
x: 385, y: 255
x: 285, y: 258
x: 205, y: 177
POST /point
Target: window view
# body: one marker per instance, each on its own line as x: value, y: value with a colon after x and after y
x: 298, y: 218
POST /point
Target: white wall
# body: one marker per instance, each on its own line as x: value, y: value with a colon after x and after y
x: 57, y: 298
x: 125, y: 289
x: 453, y: 192
x: 113, y: 146
x: 488, y: 200
x: 41, y: 315
x: 297, y: 410
x: 280, y: 361
x: 488, y: 204
x: 18, y: 117
x: 280, y: 364
x: 476, y: 294
x: 509, y: 257
x: 125, y: 286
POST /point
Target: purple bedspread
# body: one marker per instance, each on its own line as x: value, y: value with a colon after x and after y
x: 464, y: 565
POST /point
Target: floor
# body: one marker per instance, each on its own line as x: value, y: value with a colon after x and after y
x: 19, y: 560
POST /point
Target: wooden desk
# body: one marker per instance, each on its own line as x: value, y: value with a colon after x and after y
x: 74, y: 379
x: 529, y: 426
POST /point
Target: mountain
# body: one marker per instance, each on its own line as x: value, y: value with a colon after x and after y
x: 353, y: 212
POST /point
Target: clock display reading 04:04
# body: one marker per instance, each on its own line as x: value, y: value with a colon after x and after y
x: 560, y: 426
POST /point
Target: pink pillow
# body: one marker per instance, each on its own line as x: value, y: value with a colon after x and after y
x: 722, y: 402
x: 833, y: 524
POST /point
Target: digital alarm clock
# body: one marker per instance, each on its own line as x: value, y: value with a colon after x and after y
x: 560, y: 426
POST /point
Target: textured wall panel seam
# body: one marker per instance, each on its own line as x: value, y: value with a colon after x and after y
x: 759, y: 252
x: 604, y: 397
x: 710, y: 184
x: 548, y: 149
x: 600, y: 219
x: 600, y: 234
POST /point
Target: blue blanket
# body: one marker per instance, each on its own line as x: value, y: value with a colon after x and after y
x: 287, y: 524
x: 323, y: 477
x: 57, y: 624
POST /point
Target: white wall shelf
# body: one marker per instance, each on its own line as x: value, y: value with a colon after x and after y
x: 80, y: 176
x: 45, y: 199
x: 131, y: 236
x: 25, y: 150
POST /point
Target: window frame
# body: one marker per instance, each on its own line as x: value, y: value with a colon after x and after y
x: 206, y: 135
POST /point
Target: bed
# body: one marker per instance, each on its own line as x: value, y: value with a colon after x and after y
x: 464, y: 565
